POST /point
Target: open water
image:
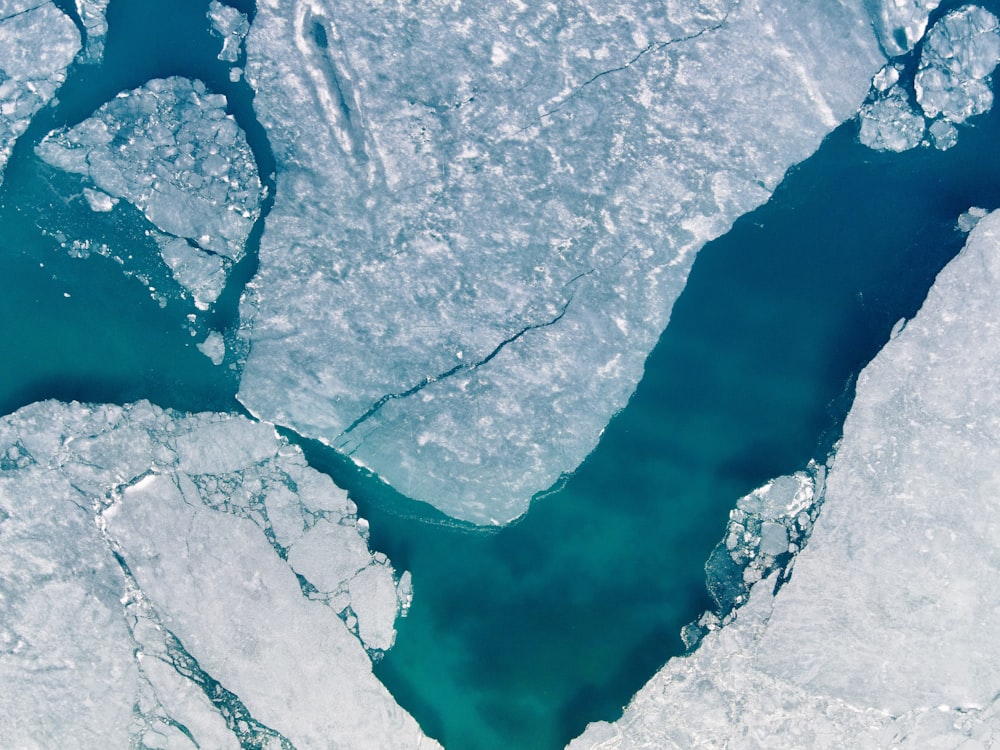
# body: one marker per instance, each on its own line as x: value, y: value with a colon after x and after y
x: 518, y: 638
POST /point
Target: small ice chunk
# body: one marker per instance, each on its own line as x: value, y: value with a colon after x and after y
x: 99, y: 202
x: 213, y: 347
x: 885, y: 78
x: 968, y: 221
x: 232, y: 26
x: 960, y: 53
x: 93, y: 15
x: 889, y: 123
x: 773, y: 538
x: 202, y: 274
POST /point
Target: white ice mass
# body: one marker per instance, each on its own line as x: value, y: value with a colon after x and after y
x: 886, y: 634
x: 484, y: 214
x: 184, y: 581
x: 232, y: 26
x: 170, y: 148
x: 93, y: 16
x: 37, y: 43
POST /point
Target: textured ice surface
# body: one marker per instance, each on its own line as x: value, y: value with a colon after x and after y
x: 484, y: 213
x: 184, y: 581
x: 232, y: 26
x: 901, y: 23
x: 37, y: 43
x: 170, y: 149
x: 951, y: 85
x: 961, y: 51
x: 93, y: 15
x: 884, y: 637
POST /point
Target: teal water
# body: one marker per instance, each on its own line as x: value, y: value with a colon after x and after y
x: 518, y: 638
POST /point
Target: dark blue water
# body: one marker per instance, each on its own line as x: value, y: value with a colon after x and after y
x: 518, y: 638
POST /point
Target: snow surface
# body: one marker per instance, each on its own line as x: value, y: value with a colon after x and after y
x: 485, y: 213
x: 157, y: 587
x: 37, y: 43
x: 170, y: 149
x: 885, y: 635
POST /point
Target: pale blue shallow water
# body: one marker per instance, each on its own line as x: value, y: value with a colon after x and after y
x: 518, y: 638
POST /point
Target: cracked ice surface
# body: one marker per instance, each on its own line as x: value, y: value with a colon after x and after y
x: 232, y: 26
x: 37, y: 43
x: 884, y: 637
x: 484, y: 213
x: 170, y: 149
x: 149, y: 592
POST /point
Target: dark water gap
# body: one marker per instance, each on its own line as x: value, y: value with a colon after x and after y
x: 519, y: 637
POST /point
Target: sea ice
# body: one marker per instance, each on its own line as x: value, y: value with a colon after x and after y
x: 149, y: 601
x: 883, y: 636
x: 170, y: 149
x: 232, y: 26
x: 484, y: 213
x: 889, y: 123
x: 37, y: 43
x: 960, y: 53
x: 93, y: 16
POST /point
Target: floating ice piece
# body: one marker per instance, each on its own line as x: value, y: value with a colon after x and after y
x: 214, y: 347
x: 37, y: 43
x: 484, y: 213
x: 170, y: 149
x: 232, y: 26
x: 93, y: 15
x: 889, y: 123
x: 99, y: 201
x: 145, y: 592
x: 961, y: 51
x: 883, y: 637
x: 901, y: 23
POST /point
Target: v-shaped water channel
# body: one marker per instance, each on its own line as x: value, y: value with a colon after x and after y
x: 518, y: 637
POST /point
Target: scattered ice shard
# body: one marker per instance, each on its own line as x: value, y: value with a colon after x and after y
x: 93, y: 16
x: 960, y: 53
x: 37, y: 43
x: 156, y: 581
x: 484, y: 214
x: 884, y: 635
x: 170, y: 149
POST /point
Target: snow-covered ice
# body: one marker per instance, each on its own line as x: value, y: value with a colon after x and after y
x: 157, y: 588
x: 484, y: 213
x: 170, y: 148
x: 884, y: 637
x: 37, y: 43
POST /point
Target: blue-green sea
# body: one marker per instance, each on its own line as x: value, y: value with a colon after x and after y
x: 518, y: 637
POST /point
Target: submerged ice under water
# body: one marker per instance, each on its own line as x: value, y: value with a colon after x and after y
x: 521, y: 637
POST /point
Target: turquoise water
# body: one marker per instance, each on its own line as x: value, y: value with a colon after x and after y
x: 518, y: 638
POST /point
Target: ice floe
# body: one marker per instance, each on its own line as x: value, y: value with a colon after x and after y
x: 184, y: 581
x: 883, y: 637
x: 484, y: 213
x: 170, y: 149
x: 232, y: 26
